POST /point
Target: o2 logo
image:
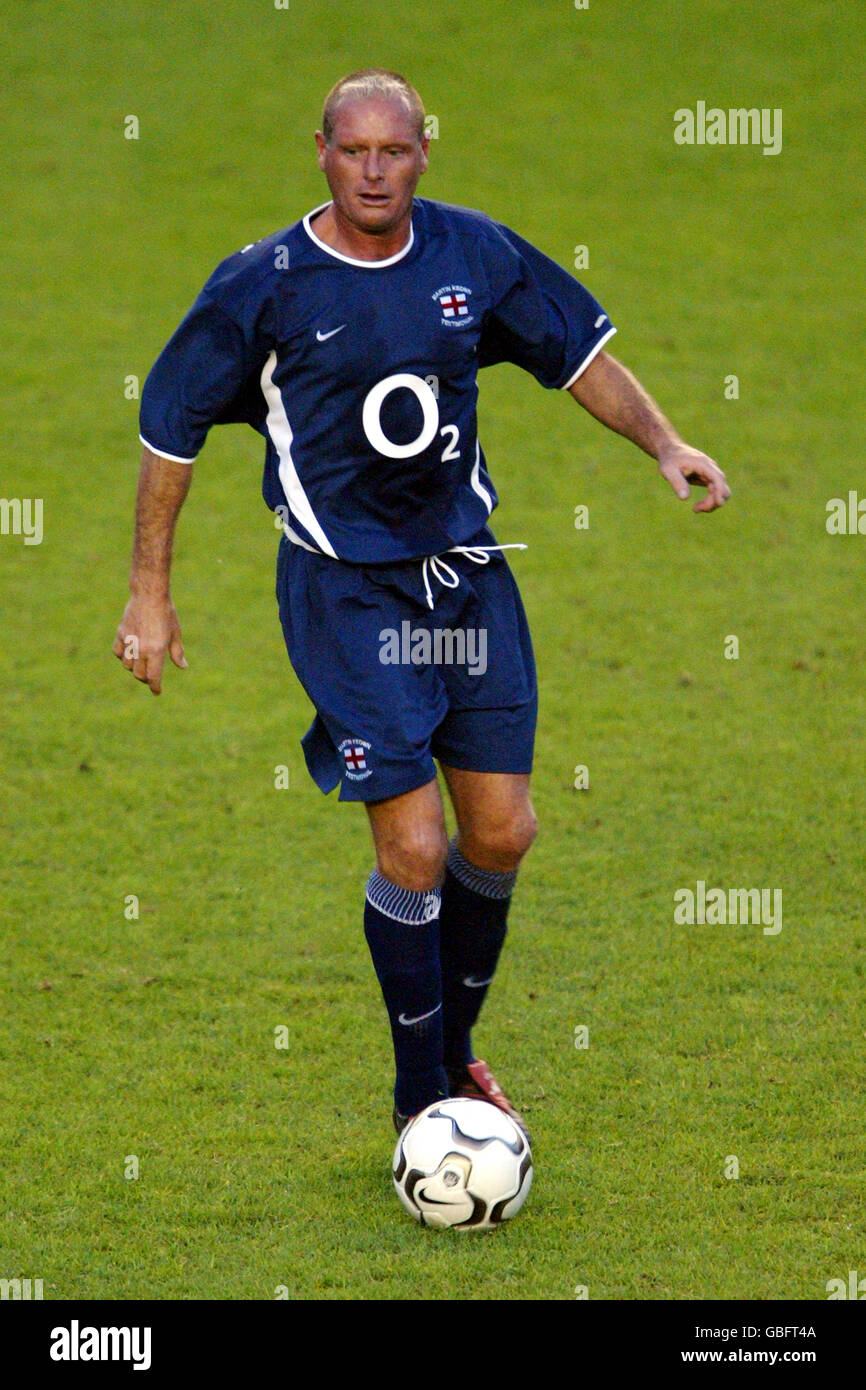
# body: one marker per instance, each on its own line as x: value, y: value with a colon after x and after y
x: 372, y: 422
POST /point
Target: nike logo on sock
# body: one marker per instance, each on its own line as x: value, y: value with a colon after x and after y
x: 472, y: 983
x: 407, y: 1021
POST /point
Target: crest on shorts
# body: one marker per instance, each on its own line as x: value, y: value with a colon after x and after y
x: 355, y: 753
x: 453, y: 302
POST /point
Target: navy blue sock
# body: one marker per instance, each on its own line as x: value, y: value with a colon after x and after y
x: 402, y: 931
x: 472, y: 926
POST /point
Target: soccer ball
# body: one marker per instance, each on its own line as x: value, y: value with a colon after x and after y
x: 462, y: 1163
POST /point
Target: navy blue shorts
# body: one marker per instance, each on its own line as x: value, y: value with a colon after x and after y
x: 396, y: 684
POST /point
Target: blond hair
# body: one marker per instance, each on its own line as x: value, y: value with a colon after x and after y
x: 372, y: 82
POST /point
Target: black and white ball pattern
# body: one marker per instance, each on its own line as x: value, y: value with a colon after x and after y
x: 462, y: 1163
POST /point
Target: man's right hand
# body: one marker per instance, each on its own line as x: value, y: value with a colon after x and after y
x: 148, y: 629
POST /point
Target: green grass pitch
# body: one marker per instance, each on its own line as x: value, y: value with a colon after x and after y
x: 153, y: 1037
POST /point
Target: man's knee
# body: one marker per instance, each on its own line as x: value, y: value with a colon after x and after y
x: 414, y: 857
x: 499, y: 845
x: 410, y: 839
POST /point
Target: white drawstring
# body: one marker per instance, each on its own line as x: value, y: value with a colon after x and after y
x: 447, y: 575
x: 440, y: 568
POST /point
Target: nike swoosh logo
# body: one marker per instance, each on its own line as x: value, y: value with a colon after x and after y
x: 599, y: 321
x: 322, y: 337
x: 472, y: 983
x: 403, y: 1019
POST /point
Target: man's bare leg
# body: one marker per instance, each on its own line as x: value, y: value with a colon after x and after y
x: 409, y: 837
x: 495, y: 821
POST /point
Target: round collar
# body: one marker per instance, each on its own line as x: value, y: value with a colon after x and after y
x: 351, y: 260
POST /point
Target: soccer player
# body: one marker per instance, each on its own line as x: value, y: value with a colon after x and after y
x: 351, y: 341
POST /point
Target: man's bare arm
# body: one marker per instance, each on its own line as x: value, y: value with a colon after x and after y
x: 149, y: 627
x: 610, y: 392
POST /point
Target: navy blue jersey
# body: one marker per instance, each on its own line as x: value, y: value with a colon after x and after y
x: 361, y: 375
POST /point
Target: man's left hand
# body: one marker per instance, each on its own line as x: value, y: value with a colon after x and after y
x: 681, y: 465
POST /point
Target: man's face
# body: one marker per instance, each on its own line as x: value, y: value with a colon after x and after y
x: 373, y: 163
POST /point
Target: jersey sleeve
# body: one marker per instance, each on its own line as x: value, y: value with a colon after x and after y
x: 201, y: 378
x: 542, y: 319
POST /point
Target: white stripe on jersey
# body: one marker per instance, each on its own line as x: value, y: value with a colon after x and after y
x: 590, y: 355
x: 161, y: 454
x: 475, y: 480
x: 280, y: 431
